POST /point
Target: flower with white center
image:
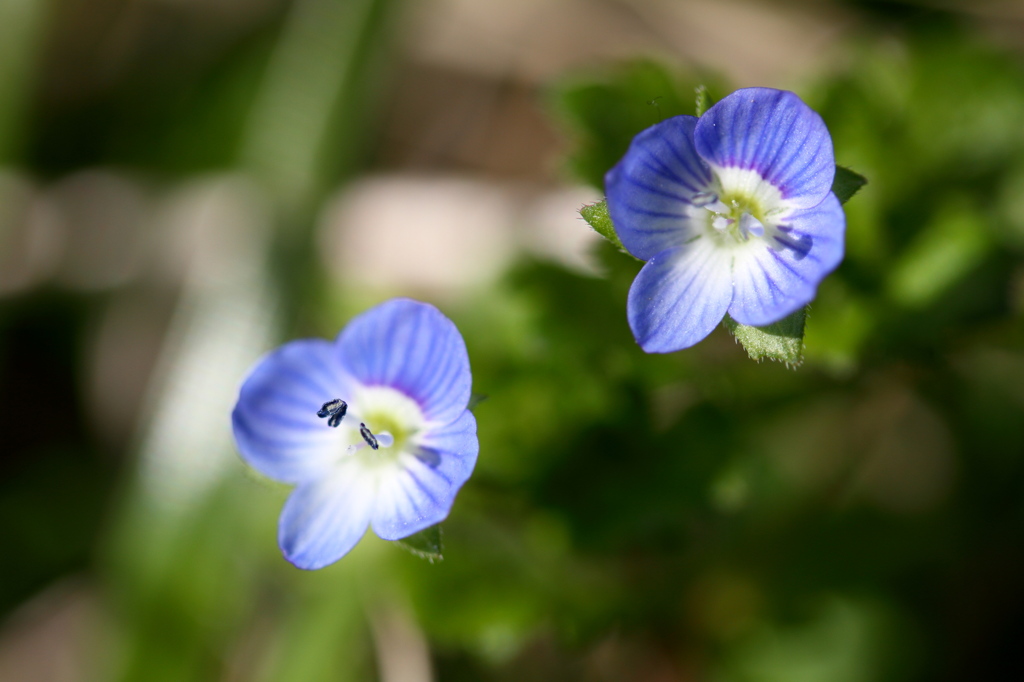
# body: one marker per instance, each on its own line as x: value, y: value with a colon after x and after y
x: 733, y: 212
x: 372, y: 428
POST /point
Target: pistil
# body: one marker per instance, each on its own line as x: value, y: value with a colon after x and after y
x: 734, y: 218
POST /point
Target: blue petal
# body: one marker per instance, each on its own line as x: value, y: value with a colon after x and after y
x: 651, y: 189
x: 274, y: 421
x: 680, y: 296
x: 325, y: 518
x: 778, y: 278
x: 419, y: 493
x: 412, y: 347
x: 774, y: 133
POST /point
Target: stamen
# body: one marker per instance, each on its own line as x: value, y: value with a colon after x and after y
x: 751, y: 225
x: 703, y: 199
x: 370, y: 439
x: 335, y: 409
x: 718, y: 206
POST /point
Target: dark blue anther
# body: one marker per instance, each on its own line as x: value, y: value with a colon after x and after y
x: 335, y: 409
x: 370, y: 439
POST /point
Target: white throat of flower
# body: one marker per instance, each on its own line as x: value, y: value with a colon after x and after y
x: 380, y: 416
x: 740, y: 206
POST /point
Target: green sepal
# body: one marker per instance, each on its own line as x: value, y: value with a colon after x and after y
x: 426, y: 544
x: 704, y: 101
x: 475, y: 399
x: 847, y: 183
x: 782, y: 341
x: 597, y: 217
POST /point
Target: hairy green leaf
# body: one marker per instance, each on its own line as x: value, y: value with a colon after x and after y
x: 597, y: 217
x: 426, y: 544
x: 704, y: 101
x: 782, y: 341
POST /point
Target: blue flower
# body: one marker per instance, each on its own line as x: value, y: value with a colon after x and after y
x: 372, y: 429
x: 733, y: 212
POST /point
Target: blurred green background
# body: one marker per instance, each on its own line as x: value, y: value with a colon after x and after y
x: 186, y: 183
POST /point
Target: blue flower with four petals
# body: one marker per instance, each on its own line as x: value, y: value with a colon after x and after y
x: 398, y: 440
x: 733, y: 212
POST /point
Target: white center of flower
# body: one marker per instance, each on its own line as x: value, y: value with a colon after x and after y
x: 389, y: 418
x: 734, y: 218
x: 741, y: 206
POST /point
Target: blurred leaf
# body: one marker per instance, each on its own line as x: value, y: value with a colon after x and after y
x: 339, y: 37
x: 21, y: 30
x: 947, y: 249
x: 426, y: 544
x: 843, y: 641
x: 847, y: 183
x: 604, y: 113
x: 704, y: 101
x: 475, y: 399
x: 597, y: 217
x: 782, y: 341
x: 843, y: 322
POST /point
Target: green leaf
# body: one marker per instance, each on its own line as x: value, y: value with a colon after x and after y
x: 955, y: 242
x: 704, y: 101
x: 782, y: 341
x: 426, y: 544
x: 475, y: 399
x: 597, y: 217
x: 847, y: 183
